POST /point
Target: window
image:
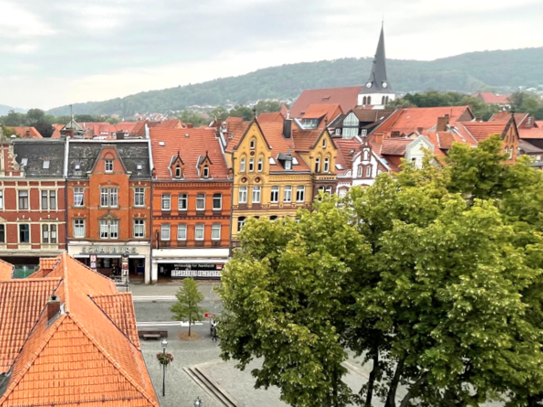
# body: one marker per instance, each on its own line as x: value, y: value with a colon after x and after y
x: 300, y: 193
x: 178, y: 172
x: 318, y: 165
x: 199, y: 232
x: 23, y: 199
x: 79, y: 228
x: 326, y: 165
x: 79, y: 195
x: 329, y: 190
x: 242, y: 198
x: 251, y: 165
x: 24, y: 233
x: 46, y: 164
x: 182, y: 232
x: 139, y: 228
x: 200, y: 202
x: 256, y: 194
x: 369, y: 100
x: 366, y: 155
x: 253, y: 144
x: 360, y: 171
x: 242, y: 165
x: 260, y: 164
x: 287, y: 194
x: 364, y: 132
x: 109, y: 197
x: 1, y: 199
x: 206, y: 171
x: 338, y: 132
x: 2, y: 233
x: 324, y: 143
x: 274, y: 194
x: 183, y: 202
x: 113, y: 197
x: 288, y: 165
x: 45, y: 233
x: 342, y: 192
x: 273, y: 218
x: 241, y: 223
x: 165, y: 232
x: 44, y: 199
x: 217, y: 202
x: 109, y: 229
x: 511, y: 153
x: 109, y: 165
x: 166, y: 202
x: 368, y: 171
x: 364, y: 100
x: 52, y: 199
x: 139, y: 196
x: 104, y: 197
x: 216, y: 232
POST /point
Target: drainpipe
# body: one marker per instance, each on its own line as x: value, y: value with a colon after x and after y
x: 232, y: 207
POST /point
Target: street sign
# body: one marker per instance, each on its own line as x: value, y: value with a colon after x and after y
x: 209, y: 315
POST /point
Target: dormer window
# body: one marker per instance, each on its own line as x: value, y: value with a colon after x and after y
x: 288, y: 165
x: 206, y: 171
x: 177, y: 172
x: 253, y: 144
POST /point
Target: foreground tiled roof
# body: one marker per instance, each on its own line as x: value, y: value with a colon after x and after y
x: 270, y: 117
x: 190, y: 144
x: 483, y: 130
x: 347, y: 98
x: 325, y: 111
x: 85, y: 355
x: 6, y: 271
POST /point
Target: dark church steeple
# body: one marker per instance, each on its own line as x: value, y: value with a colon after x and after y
x: 378, y: 82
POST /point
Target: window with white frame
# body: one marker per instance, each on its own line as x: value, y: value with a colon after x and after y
x: 274, y: 198
x: 165, y: 232
x: 368, y: 171
x: 200, y: 202
x: 48, y: 199
x: 326, y: 165
x: 79, y: 196
x: 317, y: 165
x: 199, y: 231
x: 166, y: 202
x: 260, y: 166
x: 52, y: 199
x: 241, y: 223
x: 182, y: 231
x: 287, y: 194
x: 139, y: 196
x: 109, y: 165
x: 256, y: 194
x: 183, y: 202
x: 253, y: 144
x: 323, y: 143
x: 79, y: 228
x: 217, y: 202
x: 251, y: 165
x: 139, y: 228
x: 216, y: 231
x: 242, y: 165
x: 104, y: 196
x: 300, y: 193
x: 1, y: 199
x: 113, y: 197
x: 104, y: 229
x: 178, y: 172
x: 23, y: 199
x: 359, y: 171
x: 109, y: 229
x: 288, y: 165
x: 206, y: 171
x: 329, y: 190
x: 49, y: 234
x: 44, y: 199
x: 242, y: 197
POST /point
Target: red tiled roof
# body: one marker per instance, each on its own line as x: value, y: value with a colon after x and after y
x: 120, y: 308
x: 491, y: 98
x: 305, y: 139
x: 483, y: 130
x: 235, y: 128
x: 56, y: 130
x: 26, y: 132
x: 171, y: 124
x: 505, y: 116
x: 347, y: 149
x: 347, y: 98
x: 270, y: 117
x: 323, y: 111
x: 408, y: 120
x: 81, y: 357
x: 394, y: 146
x: 200, y: 141
x: 273, y: 133
x: 6, y: 271
x: 531, y: 133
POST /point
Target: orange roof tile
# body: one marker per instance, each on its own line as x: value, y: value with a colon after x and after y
x: 6, y: 271
x: 491, y: 98
x: 235, y: 128
x: 347, y: 149
x: 26, y: 132
x: 56, y: 130
x: 82, y: 356
x: 347, y: 98
x: 270, y: 117
x: 200, y: 141
x: 323, y: 111
x: 505, y: 116
x: 273, y: 133
x: 395, y: 146
x: 483, y: 130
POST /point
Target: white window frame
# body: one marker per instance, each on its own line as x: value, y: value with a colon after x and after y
x: 252, y: 165
x: 260, y: 165
x: 104, y: 197
x: 113, y: 229
x: 139, y: 228
x: 19, y: 199
x: 288, y: 165
x: 326, y: 165
x: 206, y: 171
x: 200, y: 202
x: 79, y: 228
x: 104, y: 229
x: 166, y: 198
x: 114, y: 197
x: 199, y: 228
x: 109, y: 165
x: 182, y: 231
x: 216, y: 231
x: 242, y: 165
x: 368, y: 171
x: 139, y: 196
x: 45, y: 233
x: 317, y: 165
x: 1, y: 199
x: 178, y: 172
x: 252, y: 144
x: 287, y: 193
x: 165, y: 232
x: 44, y: 200
x: 274, y: 196
x: 300, y: 193
x: 2, y: 233
x: 180, y: 199
x: 217, y: 198
x: 79, y: 192
x: 256, y: 194
x: 241, y: 222
x: 242, y: 195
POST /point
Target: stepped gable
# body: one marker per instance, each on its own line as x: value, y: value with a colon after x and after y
x: 79, y: 356
x: 346, y: 98
x: 190, y: 144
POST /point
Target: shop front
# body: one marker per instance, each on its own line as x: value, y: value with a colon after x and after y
x: 120, y: 261
x: 204, y: 264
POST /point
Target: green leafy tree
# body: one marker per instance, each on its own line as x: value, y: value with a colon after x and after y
x: 219, y: 113
x: 241, y: 111
x: 187, y: 306
x: 267, y: 106
x: 191, y: 117
x: 112, y: 120
x: 14, y: 119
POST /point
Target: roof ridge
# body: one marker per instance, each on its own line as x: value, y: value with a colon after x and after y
x: 26, y: 280
x: 114, y: 363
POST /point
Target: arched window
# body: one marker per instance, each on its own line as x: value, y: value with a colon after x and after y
x: 369, y: 100
x: 253, y: 144
x: 384, y: 100
x: 317, y: 165
x: 242, y: 165
x: 260, y: 165
x: 326, y: 164
x: 178, y: 172
x: 366, y: 155
x: 359, y: 171
x: 368, y: 171
x: 364, y: 99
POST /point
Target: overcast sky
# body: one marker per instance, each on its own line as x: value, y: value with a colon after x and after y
x: 56, y: 52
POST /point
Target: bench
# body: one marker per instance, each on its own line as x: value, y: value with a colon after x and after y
x: 152, y: 334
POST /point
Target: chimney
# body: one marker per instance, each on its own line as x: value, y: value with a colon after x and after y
x: 287, y: 128
x: 53, y: 307
x: 442, y: 123
x: 27, y: 134
x: 420, y: 130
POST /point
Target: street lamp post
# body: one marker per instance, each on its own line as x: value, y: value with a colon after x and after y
x: 198, y: 402
x: 164, y: 344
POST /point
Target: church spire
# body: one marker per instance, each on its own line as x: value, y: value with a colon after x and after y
x: 378, y: 82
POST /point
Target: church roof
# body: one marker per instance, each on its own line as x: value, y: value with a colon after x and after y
x: 378, y: 82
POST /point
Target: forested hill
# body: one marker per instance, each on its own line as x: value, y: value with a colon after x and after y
x: 469, y: 72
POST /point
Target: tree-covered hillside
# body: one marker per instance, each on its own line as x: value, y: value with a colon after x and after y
x: 470, y: 72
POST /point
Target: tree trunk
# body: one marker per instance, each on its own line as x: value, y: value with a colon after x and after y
x: 373, y: 377
x: 189, y: 324
x: 391, y: 396
x: 413, y: 391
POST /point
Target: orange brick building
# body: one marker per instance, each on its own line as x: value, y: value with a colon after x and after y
x: 192, y: 196
x: 109, y: 205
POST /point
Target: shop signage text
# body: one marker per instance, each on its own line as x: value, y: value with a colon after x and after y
x: 108, y: 250
x: 208, y: 270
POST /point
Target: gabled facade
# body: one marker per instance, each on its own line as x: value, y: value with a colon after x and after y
x: 32, y: 209
x: 192, y: 194
x: 109, y: 206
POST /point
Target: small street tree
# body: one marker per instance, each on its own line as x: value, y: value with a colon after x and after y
x: 187, y: 306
